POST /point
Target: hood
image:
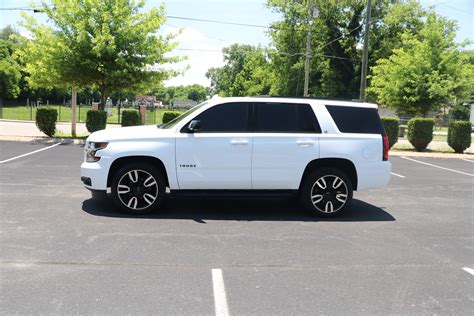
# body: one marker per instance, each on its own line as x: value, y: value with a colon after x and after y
x: 128, y: 133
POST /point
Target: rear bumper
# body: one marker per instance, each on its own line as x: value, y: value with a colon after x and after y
x: 373, y: 175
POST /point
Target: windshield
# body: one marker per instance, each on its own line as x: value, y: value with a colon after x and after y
x: 182, y: 116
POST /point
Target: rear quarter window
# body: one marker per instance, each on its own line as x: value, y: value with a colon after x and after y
x: 356, y: 119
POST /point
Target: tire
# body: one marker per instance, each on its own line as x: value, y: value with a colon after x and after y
x: 138, y: 188
x: 319, y: 195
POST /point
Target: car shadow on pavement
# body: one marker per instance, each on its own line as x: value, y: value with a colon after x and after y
x: 200, y: 210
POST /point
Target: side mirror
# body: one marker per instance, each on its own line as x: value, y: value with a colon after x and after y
x: 194, y: 126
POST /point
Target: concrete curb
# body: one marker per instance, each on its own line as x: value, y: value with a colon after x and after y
x: 43, y: 140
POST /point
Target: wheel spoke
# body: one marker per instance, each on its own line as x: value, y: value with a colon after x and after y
x: 149, y: 181
x: 122, y: 189
x: 133, y: 175
x: 149, y: 198
x: 337, y: 183
x: 341, y: 197
x: 329, y: 208
x: 316, y: 198
x: 133, y: 202
x: 321, y: 183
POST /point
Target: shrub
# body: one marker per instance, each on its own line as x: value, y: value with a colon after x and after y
x: 131, y: 118
x: 391, y: 125
x: 96, y: 120
x: 46, y: 119
x: 170, y: 115
x: 420, y: 132
x: 459, y: 135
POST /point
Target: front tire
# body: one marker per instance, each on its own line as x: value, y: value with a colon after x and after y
x: 326, y: 192
x: 138, y: 188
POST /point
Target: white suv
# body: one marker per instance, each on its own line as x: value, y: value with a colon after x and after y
x: 319, y: 149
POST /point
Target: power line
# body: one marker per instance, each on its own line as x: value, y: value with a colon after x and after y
x: 220, y: 22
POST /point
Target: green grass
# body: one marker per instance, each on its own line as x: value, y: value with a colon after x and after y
x: 64, y: 114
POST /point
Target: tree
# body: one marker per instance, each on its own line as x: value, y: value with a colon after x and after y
x: 9, y: 72
x: 247, y: 71
x: 427, y: 71
x: 196, y: 92
x: 109, y: 45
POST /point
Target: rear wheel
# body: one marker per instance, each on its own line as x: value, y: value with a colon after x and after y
x: 326, y: 192
x: 138, y: 188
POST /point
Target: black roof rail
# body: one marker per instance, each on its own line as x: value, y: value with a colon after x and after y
x: 304, y: 98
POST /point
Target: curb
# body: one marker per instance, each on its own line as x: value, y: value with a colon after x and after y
x: 43, y: 140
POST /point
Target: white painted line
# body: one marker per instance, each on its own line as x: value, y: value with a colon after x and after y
x: 31, y: 153
x: 468, y: 160
x: 220, y: 300
x: 428, y: 164
x: 469, y: 270
x: 398, y: 175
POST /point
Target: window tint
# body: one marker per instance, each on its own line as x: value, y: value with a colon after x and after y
x: 225, y: 118
x: 356, y: 119
x: 286, y: 118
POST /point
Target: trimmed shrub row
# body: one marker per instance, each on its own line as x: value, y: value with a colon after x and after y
x: 170, y: 115
x: 131, y: 117
x: 391, y: 125
x: 46, y: 119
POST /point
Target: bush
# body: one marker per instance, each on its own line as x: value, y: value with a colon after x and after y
x: 459, y: 113
x: 391, y: 125
x: 420, y: 132
x: 96, y: 120
x: 459, y: 135
x: 170, y: 115
x: 46, y: 119
x: 131, y: 118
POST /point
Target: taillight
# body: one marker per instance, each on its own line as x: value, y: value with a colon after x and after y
x: 385, y: 148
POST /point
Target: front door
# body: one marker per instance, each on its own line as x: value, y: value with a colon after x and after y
x: 218, y: 157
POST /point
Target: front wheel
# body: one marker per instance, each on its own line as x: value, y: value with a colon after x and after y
x: 138, y: 188
x: 326, y: 192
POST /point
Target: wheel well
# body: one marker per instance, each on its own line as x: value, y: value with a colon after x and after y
x: 120, y: 162
x: 344, y: 165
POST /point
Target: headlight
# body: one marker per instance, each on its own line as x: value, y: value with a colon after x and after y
x: 91, y: 150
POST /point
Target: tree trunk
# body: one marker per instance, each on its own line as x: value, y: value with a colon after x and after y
x: 73, y: 110
x: 102, y: 100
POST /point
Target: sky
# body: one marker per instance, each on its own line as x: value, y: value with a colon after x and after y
x: 202, y: 42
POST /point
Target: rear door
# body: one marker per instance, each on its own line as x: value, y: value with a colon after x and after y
x: 285, y: 141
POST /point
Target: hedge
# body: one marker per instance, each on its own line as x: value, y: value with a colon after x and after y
x: 46, y: 119
x: 131, y: 117
x: 170, y: 115
x: 459, y: 135
x: 391, y: 125
x: 96, y: 120
x: 420, y: 132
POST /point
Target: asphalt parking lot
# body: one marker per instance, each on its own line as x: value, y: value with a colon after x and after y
x: 404, y: 249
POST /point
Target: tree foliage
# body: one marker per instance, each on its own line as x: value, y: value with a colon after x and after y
x: 9, y: 68
x: 110, y: 45
x: 427, y: 71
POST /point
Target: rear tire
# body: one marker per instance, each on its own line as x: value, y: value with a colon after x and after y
x: 326, y: 192
x: 138, y: 188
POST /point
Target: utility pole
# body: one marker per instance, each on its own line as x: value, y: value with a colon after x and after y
x: 312, y: 13
x: 365, y: 53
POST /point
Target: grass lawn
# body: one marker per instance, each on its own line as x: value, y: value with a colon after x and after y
x: 64, y: 114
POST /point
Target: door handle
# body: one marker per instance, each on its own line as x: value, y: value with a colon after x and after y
x: 239, y: 142
x: 305, y: 143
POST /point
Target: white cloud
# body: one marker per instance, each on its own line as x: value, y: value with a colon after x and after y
x: 203, y: 52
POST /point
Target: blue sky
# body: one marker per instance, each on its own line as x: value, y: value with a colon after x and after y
x: 199, y: 36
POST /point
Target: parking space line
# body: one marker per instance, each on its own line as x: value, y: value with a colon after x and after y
x: 220, y: 300
x: 398, y: 175
x: 469, y: 270
x: 468, y: 160
x: 30, y: 153
x: 428, y: 164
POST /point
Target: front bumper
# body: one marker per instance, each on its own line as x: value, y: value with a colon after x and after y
x: 94, y: 176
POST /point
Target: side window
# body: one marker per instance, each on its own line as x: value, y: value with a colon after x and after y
x: 351, y: 119
x: 286, y: 118
x: 225, y: 118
